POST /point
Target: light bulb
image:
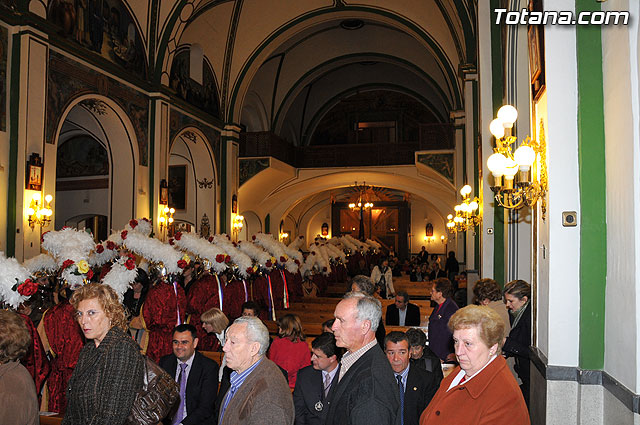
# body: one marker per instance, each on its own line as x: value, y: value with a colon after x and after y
x: 162, y: 219
x: 30, y: 211
x: 497, y: 164
x: 473, y: 205
x: 166, y: 210
x: 48, y: 198
x: 450, y: 216
x: 508, y: 115
x: 172, y: 210
x: 466, y: 189
x: 524, y: 156
x: 496, y: 128
x: 37, y: 196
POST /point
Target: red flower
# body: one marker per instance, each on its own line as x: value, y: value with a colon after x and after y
x: 313, y: 253
x: 42, y: 237
x: 28, y: 288
x: 123, y: 234
x: 130, y: 264
x: 131, y: 257
x: 178, y: 236
x: 324, y: 269
x: 65, y: 227
x: 227, y: 259
x: 296, y: 261
x: 235, y: 245
x: 268, y: 263
x: 146, y: 219
x: 133, y: 223
x: 67, y: 263
x: 228, y: 237
x: 171, y: 242
x: 182, y: 264
x: 249, y: 270
x: 219, y: 258
x: 253, y: 237
x: 89, y: 274
x: 282, y: 259
x: 301, y: 237
x: 111, y: 245
x: 99, y: 248
x: 210, y: 238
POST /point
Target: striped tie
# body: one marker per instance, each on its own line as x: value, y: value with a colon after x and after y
x: 401, y: 389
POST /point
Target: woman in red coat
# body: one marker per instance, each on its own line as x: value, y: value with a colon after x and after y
x: 290, y: 351
x: 482, y: 389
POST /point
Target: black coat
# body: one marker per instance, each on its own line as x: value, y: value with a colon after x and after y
x: 431, y: 363
x: 308, y: 396
x: 420, y: 389
x: 202, y: 385
x: 105, y: 381
x: 517, y: 346
x: 367, y: 393
x: 392, y: 318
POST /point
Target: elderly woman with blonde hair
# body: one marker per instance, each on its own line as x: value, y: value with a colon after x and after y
x: 481, y: 390
x: 18, y: 399
x: 110, y: 369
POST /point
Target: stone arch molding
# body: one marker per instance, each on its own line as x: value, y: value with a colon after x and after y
x: 112, y: 127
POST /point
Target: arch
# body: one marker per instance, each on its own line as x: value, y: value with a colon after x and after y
x: 251, y: 225
x: 108, y: 123
x: 249, y: 68
x: 191, y: 148
x: 256, y: 113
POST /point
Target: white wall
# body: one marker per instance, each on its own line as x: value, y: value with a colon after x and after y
x: 72, y: 203
x: 622, y: 122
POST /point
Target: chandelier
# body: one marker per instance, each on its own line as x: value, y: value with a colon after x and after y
x: 516, y: 182
x: 363, y: 202
x: 466, y: 213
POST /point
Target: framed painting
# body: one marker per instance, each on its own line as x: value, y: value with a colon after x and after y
x: 178, y: 187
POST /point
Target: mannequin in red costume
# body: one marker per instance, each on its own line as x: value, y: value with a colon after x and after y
x: 277, y: 286
x: 66, y: 341
x: 202, y: 296
x: 261, y: 296
x: 35, y: 360
x: 295, y: 285
x: 160, y: 313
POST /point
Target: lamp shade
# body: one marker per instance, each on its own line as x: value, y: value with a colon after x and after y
x: 497, y: 164
x: 508, y: 115
x: 524, y: 156
x: 496, y: 128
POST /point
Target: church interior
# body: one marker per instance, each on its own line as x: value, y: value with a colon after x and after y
x: 378, y: 120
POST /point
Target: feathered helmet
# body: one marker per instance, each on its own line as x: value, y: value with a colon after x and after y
x: 70, y: 248
x: 16, y: 285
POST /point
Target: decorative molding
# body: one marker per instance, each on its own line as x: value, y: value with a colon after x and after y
x: 443, y: 163
x: 205, y: 184
x: 190, y: 135
x: 251, y: 166
x: 96, y: 106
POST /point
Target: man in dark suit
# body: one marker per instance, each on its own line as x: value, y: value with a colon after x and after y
x: 415, y: 385
x: 402, y: 312
x: 315, y: 381
x: 197, y: 377
x: 366, y: 391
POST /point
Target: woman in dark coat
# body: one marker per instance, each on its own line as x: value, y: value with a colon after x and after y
x: 517, y: 295
x: 440, y: 337
x: 109, y: 372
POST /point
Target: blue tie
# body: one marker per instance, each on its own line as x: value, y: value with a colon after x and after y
x: 401, y: 389
x: 182, y: 381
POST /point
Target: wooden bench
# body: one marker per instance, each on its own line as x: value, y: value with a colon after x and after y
x: 417, y: 290
x: 315, y: 329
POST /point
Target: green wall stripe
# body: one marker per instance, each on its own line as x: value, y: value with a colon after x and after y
x: 593, y: 207
x: 14, y: 105
x: 476, y: 168
x: 497, y: 92
x: 223, y: 184
x: 152, y: 158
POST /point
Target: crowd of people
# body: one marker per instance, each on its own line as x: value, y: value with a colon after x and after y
x: 89, y: 351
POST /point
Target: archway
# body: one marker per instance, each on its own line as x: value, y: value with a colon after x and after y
x: 97, y: 151
x: 191, y: 178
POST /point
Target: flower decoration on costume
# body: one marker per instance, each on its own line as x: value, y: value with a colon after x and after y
x: 201, y: 248
x: 27, y: 288
x: 154, y: 251
x: 276, y: 249
x: 124, y: 234
x: 235, y: 256
x: 141, y: 225
x: 121, y: 275
x: 255, y: 253
x: 13, y: 276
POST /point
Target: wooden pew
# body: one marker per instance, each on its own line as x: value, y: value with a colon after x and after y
x: 417, y: 290
x: 315, y: 329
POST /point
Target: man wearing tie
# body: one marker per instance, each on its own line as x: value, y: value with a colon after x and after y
x: 197, y: 377
x: 315, y: 381
x: 415, y: 385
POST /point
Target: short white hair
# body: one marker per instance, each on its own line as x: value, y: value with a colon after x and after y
x: 368, y: 307
x: 256, y: 331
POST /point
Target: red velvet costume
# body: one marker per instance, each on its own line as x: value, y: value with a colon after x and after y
x: 202, y: 296
x: 261, y: 296
x: 35, y: 360
x: 278, y: 285
x: 295, y: 285
x: 233, y: 298
x: 66, y: 341
x: 160, y: 317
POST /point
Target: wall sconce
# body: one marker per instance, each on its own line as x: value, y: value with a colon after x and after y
x: 39, y: 213
x: 429, y: 239
x: 237, y: 224
x: 283, y: 236
x: 466, y: 216
x: 511, y: 191
x: 166, y: 217
x: 443, y: 239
